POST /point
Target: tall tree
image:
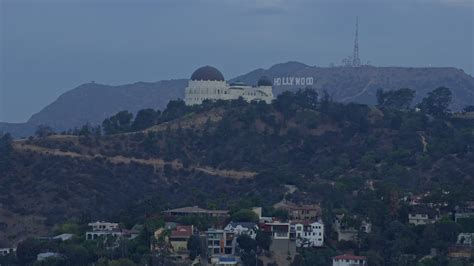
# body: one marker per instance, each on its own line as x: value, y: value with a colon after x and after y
x: 119, y: 123
x: 437, y: 102
x: 144, y: 119
x: 395, y: 99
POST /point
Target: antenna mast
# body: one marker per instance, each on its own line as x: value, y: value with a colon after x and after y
x: 355, y: 56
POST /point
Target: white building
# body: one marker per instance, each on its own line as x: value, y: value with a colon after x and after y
x: 6, y: 251
x: 466, y: 239
x: 100, y: 229
x: 308, y: 235
x: 242, y: 228
x: 208, y: 83
x: 103, y: 226
x: 349, y: 260
x: 423, y: 216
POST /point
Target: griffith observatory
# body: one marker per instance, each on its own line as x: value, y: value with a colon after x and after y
x: 208, y: 83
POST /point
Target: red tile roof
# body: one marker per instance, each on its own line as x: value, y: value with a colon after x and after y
x: 182, y: 231
x: 349, y: 257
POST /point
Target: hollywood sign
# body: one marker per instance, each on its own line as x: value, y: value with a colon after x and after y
x: 293, y: 81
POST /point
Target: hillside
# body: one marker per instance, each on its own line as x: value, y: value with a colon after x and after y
x: 92, y: 103
x: 224, y: 153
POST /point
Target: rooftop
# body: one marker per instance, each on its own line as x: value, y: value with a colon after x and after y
x: 349, y: 257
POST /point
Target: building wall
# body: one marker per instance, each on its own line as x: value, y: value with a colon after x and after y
x: 198, y: 91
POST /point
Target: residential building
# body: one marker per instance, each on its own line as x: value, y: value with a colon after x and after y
x: 195, y: 210
x: 103, y: 226
x: 308, y: 234
x: 220, y: 242
x: 302, y: 212
x: 349, y: 260
x: 6, y: 251
x: 47, y: 255
x: 63, y: 237
x: 466, y: 239
x: 102, y: 229
x: 277, y: 230
x: 422, y: 216
x: 349, y: 232
x: 243, y: 228
x: 225, y: 261
x: 179, y: 237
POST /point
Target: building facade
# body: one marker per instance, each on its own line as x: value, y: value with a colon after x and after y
x: 349, y: 260
x: 208, y: 83
x: 308, y: 235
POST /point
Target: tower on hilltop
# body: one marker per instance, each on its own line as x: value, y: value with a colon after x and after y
x: 355, y: 55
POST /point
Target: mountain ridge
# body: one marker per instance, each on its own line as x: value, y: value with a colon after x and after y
x: 92, y: 102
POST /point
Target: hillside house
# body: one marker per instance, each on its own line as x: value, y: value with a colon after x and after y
x: 179, y: 237
x: 220, y: 242
x: 302, y: 212
x: 6, y: 251
x: 349, y: 260
x: 195, y: 211
x: 308, y: 234
x: 243, y: 228
x: 422, y: 216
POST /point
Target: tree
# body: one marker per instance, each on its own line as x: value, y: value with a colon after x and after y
x: 245, y: 215
x: 437, y: 102
x: 246, y: 243
x: 194, y: 246
x: 144, y: 119
x: 27, y: 251
x: 43, y: 131
x: 5, y: 151
x: 118, y: 123
x: 264, y: 240
x: 395, y: 99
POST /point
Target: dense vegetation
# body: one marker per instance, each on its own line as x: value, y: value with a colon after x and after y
x: 330, y: 151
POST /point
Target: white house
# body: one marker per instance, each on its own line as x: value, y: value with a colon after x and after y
x: 6, y: 251
x: 243, y: 228
x: 466, y: 239
x: 100, y: 229
x: 349, y: 260
x: 423, y: 216
x: 208, y: 83
x: 308, y: 235
x: 103, y: 226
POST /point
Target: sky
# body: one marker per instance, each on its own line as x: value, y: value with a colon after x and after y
x: 48, y: 47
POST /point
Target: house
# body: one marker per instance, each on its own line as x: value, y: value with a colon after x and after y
x: 195, y: 210
x: 422, y: 216
x: 103, y: 226
x: 179, y: 237
x: 277, y: 230
x: 243, y: 228
x: 460, y: 252
x: 6, y: 251
x: 300, y: 211
x: 308, y: 234
x: 349, y: 260
x: 225, y: 261
x: 63, y: 237
x: 349, y: 232
x: 465, y: 239
x: 47, y: 255
x: 100, y: 229
x: 220, y: 242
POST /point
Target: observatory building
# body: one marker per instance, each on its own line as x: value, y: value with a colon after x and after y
x: 208, y: 83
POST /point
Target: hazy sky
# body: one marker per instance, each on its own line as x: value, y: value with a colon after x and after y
x: 49, y: 47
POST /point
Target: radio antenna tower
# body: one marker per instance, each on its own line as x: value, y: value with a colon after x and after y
x: 355, y: 56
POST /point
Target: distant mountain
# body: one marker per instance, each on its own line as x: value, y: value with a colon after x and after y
x: 92, y: 103
x: 348, y: 84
